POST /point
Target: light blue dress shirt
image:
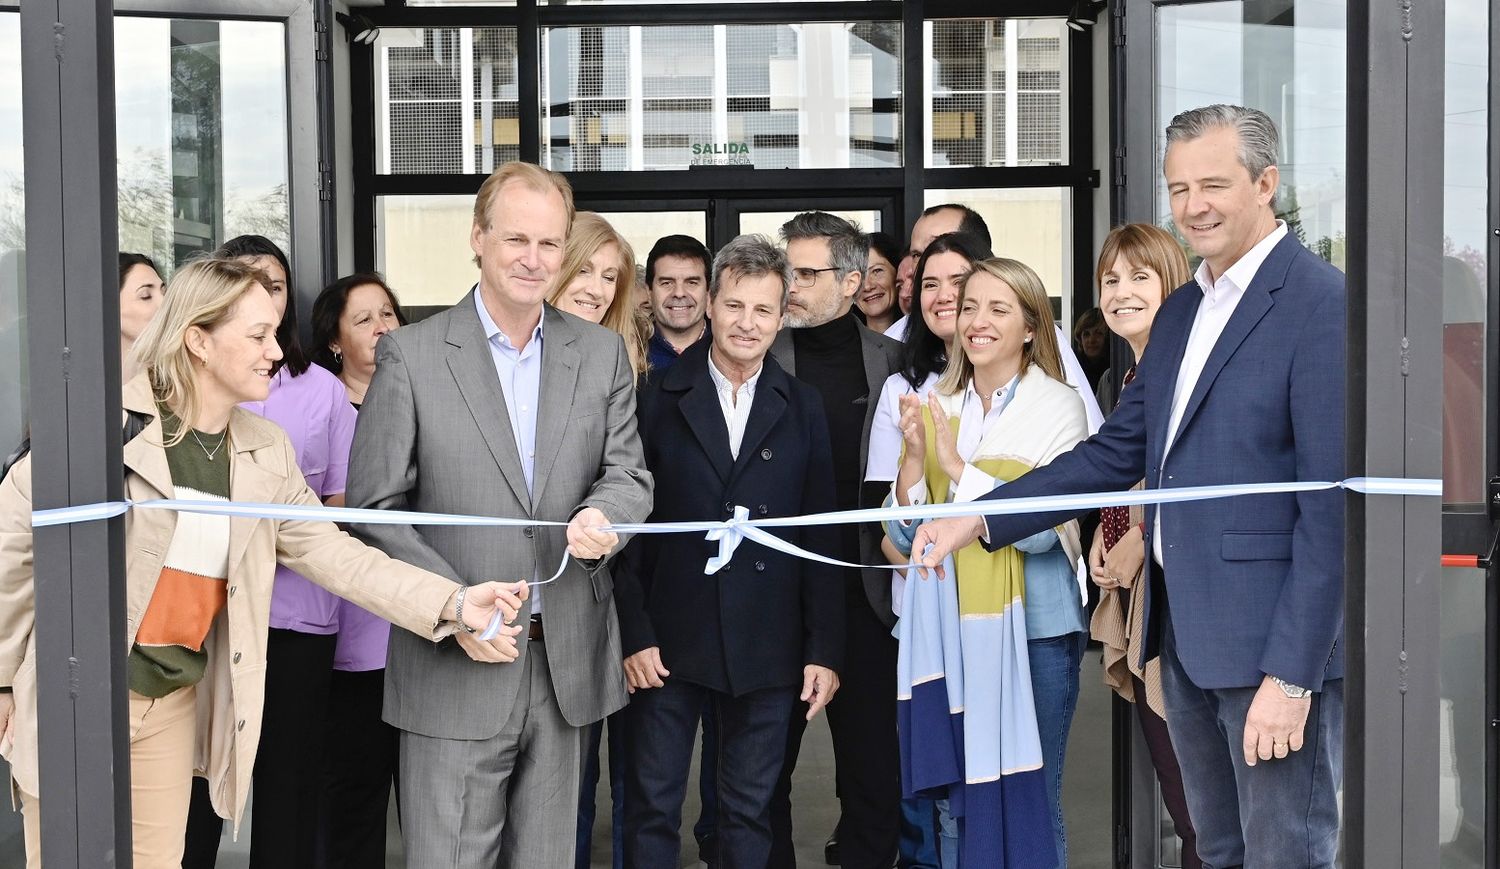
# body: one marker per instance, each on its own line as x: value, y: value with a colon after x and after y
x: 520, y: 373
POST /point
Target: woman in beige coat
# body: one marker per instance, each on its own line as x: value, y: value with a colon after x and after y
x: 199, y: 587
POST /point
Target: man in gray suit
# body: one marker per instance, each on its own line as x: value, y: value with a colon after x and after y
x: 504, y: 406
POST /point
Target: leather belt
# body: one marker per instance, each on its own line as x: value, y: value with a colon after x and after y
x: 535, y: 632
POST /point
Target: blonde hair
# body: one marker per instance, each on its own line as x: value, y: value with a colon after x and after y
x: 204, y: 294
x: 591, y: 232
x: 533, y: 176
x: 1145, y: 246
x: 1036, y: 311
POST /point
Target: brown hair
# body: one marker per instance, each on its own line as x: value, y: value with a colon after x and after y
x: 1036, y: 310
x: 1145, y: 246
x: 591, y: 232
x: 533, y: 176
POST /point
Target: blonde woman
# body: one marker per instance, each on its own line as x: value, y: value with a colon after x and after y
x: 597, y: 282
x: 198, y: 587
x: 1001, y: 408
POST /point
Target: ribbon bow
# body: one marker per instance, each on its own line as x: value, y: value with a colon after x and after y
x: 728, y: 535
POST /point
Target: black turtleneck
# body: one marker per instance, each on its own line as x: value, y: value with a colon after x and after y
x: 831, y: 359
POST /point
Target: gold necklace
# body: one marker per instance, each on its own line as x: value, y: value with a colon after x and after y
x: 216, y: 448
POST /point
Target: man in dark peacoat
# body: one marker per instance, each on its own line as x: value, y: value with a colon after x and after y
x: 766, y: 628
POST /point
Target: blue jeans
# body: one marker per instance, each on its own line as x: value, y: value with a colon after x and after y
x: 947, y: 836
x: 590, y: 781
x: 918, y: 845
x: 1279, y: 813
x: 1054, y: 685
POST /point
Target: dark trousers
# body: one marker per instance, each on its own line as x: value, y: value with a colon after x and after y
x: 589, y: 783
x: 288, y: 764
x: 752, y: 737
x: 1278, y: 814
x: 1168, y: 774
x: 866, y: 751
x: 358, y: 773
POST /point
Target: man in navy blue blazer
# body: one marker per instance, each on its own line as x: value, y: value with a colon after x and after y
x: 726, y: 426
x: 1243, y: 383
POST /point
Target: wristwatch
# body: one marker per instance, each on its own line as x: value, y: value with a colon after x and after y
x: 1294, y: 692
x: 458, y: 611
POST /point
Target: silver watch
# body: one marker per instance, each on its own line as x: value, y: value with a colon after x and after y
x: 458, y: 611
x: 1294, y: 692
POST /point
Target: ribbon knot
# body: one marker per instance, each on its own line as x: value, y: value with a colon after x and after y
x: 728, y: 535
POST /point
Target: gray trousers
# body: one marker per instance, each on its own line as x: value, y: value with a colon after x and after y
x: 507, y: 802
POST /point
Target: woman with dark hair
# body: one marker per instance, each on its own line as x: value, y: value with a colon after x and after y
x: 1091, y: 345
x: 877, y: 298
x: 308, y: 402
x: 348, y: 320
x: 141, y: 292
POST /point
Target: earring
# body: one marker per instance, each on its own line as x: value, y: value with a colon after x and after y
x: 338, y: 357
x: 1028, y: 340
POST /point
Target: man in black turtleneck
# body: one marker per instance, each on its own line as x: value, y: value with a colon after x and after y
x: 827, y: 347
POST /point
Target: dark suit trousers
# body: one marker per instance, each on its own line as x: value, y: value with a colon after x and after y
x: 752, y: 737
x: 866, y: 751
x: 1278, y: 814
x: 358, y: 772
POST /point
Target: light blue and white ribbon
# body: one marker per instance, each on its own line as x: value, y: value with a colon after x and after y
x: 739, y: 527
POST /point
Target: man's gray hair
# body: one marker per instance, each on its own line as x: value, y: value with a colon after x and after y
x: 750, y: 256
x: 1257, y: 133
x: 847, y: 250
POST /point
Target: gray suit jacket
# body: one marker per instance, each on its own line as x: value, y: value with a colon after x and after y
x: 434, y: 436
x: 882, y: 359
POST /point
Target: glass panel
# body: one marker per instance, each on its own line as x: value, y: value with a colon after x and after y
x: 422, y: 247
x: 204, y: 157
x: 1462, y: 725
x: 771, y: 96
x: 445, y: 99
x: 769, y: 223
x: 1465, y: 271
x: 999, y: 92
x: 14, y: 362
x: 1031, y: 224
x: 1290, y: 65
x: 643, y: 228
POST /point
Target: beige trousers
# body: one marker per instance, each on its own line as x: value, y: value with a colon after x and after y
x: 162, y: 732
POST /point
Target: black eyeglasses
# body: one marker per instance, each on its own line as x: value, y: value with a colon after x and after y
x: 808, y: 277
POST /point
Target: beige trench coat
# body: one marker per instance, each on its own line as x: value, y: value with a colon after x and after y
x: 263, y: 468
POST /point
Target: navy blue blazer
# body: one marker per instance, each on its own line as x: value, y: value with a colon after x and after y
x: 758, y: 621
x: 1256, y: 583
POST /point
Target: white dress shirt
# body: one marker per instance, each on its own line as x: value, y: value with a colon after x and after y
x: 1220, y: 298
x: 735, y: 403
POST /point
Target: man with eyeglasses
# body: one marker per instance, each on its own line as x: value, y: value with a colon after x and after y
x: 827, y: 347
